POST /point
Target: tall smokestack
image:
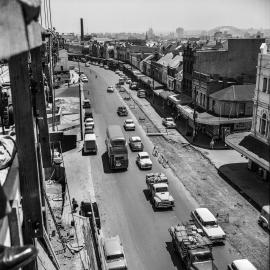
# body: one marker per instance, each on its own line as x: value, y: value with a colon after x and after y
x: 82, y: 34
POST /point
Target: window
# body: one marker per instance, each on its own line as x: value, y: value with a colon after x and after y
x: 213, y: 105
x: 264, y: 84
x: 268, y: 89
x: 263, y: 125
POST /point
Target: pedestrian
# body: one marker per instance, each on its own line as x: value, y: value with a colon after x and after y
x: 74, y: 205
x: 212, y: 143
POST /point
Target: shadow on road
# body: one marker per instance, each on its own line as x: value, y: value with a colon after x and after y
x: 175, y: 259
x: 146, y: 194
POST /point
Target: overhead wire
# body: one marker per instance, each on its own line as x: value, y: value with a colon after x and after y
x: 46, y: 5
x: 45, y: 14
x: 50, y: 12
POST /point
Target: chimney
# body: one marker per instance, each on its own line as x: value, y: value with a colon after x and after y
x: 82, y: 33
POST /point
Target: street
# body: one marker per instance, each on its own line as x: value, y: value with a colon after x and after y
x: 121, y: 195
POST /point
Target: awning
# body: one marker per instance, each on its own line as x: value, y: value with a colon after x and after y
x: 180, y: 99
x: 208, y: 119
x: 249, y: 146
x: 166, y: 94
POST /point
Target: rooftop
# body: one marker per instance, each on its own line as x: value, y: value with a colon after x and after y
x: 235, y: 93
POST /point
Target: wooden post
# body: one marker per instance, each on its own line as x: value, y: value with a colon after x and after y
x: 36, y: 64
x: 26, y: 147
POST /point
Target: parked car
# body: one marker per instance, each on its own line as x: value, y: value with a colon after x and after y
x: 86, y: 103
x: 135, y: 143
x: 122, y: 111
x: 242, y: 264
x: 117, y: 71
x: 143, y: 161
x: 110, y: 89
x: 84, y: 79
x: 141, y: 93
x: 128, y: 81
x: 133, y: 86
x: 87, y: 64
x: 114, y: 253
x: 89, y: 130
x: 206, y: 221
x: 168, y: 122
x: 89, y: 121
x: 106, y: 67
x: 129, y: 124
x: 264, y: 218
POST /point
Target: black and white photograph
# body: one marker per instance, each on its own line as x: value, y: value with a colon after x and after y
x: 134, y: 134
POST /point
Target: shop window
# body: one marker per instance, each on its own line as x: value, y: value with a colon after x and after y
x: 264, y: 84
x: 263, y: 125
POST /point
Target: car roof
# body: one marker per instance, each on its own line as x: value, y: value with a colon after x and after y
x: 161, y: 185
x: 135, y: 138
x: 129, y: 120
x: 90, y: 137
x: 205, y: 214
x: 143, y: 154
x: 112, y: 246
x: 89, y: 119
x: 244, y: 264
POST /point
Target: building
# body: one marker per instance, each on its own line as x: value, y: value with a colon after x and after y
x: 179, y: 32
x: 255, y: 145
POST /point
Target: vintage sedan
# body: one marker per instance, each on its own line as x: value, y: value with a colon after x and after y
x: 143, y: 161
x: 135, y: 143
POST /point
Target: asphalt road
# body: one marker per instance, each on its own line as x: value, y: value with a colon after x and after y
x: 124, y: 207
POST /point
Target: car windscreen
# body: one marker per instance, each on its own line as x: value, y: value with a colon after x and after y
x: 161, y: 189
x: 118, y: 142
x: 115, y: 257
x: 200, y: 257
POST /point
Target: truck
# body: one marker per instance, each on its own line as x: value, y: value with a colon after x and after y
x: 194, y: 249
x: 157, y: 184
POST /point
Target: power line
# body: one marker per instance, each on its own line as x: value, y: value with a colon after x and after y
x: 50, y: 13
x: 45, y: 14
x: 46, y: 4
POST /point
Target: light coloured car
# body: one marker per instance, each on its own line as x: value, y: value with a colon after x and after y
x: 135, y: 143
x: 168, y: 122
x: 242, y: 264
x: 110, y: 89
x: 106, y: 67
x: 89, y: 122
x: 84, y: 79
x: 87, y: 64
x: 133, y: 86
x: 117, y: 71
x: 114, y: 253
x: 128, y: 81
x: 129, y: 124
x: 206, y: 221
x: 143, y: 161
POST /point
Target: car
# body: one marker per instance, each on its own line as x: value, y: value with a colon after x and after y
x: 168, y: 122
x: 86, y: 210
x: 122, y: 111
x: 84, y: 79
x: 133, y: 86
x: 143, y: 161
x: 89, y: 130
x: 264, y: 218
x: 241, y: 264
x: 207, y: 222
x: 89, y: 121
x: 117, y: 71
x: 114, y: 253
x: 135, y: 143
x: 128, y: 81
x: 110, y: 89
x: 129, y: 124
x: 87, y: 64
x: 106, y: 67
x: 86, y: 103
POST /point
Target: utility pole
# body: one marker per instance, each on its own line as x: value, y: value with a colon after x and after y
x: 80, y: 98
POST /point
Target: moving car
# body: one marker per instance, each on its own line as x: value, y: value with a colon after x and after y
x: 264, y: 218
x: 122, y: 111
x: 133, y: 86
x: 206, y: 221
x: 242, y: 264
x: 84, y: 79
x: 143, y: 161
x: 110, y: 89
x: 135, y: 143
x: 168, y: 122
x: 129, y: 124
x: 114, y: 253
x: 89, y: 122
x: 141, y: 93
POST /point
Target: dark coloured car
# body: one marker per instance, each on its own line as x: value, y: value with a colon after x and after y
x: 122, y: 111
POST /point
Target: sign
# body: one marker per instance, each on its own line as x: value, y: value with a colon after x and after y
x: 242, y: 126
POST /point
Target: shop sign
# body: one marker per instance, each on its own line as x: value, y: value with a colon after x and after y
x: 242, y: 126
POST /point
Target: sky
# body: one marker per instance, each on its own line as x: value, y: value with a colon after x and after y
x: 161, y: 15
